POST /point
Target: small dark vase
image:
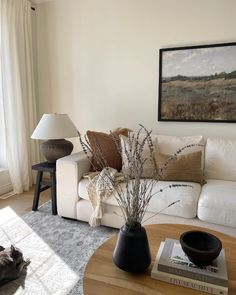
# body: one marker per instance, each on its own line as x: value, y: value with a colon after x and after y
x: 132, y: 253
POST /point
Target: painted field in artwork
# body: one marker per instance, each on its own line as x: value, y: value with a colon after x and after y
x: 203, y: 98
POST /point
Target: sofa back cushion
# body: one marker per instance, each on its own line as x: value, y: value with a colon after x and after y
x: 167, y: 145
x: 220, y: 159
x: 170, y: 144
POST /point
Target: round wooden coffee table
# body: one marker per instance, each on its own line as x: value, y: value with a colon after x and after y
x: 102, y: 277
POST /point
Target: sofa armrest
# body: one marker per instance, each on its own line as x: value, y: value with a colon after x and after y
x: 70, y: 170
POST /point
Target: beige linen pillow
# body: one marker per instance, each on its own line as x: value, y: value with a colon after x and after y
x: 182, y: 168
x: 148, y: 167
x: 168, y: 144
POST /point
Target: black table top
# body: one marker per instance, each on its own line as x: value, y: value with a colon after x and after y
x: 45, y: 166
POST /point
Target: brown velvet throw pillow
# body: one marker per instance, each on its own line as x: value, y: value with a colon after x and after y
x: 183, y: 168
x: 103, y: 143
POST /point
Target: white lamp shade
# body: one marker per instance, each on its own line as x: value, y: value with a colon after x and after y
x: 55, y: 126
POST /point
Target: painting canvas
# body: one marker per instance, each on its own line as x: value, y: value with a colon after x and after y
x: 198, y: 83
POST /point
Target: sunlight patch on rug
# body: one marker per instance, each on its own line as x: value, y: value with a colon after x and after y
x: 47, y: 273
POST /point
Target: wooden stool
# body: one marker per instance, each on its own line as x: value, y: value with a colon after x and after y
x: 42, y: 185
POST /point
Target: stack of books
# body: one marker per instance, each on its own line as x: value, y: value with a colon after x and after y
x: 173, y: 266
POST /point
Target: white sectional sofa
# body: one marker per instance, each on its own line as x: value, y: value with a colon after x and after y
x: 212, y: 205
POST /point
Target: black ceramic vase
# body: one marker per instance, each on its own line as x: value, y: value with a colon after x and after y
x: 132, y: 253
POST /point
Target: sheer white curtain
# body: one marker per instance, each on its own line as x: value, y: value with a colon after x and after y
x: 17, y: 93
x: 3, y: 159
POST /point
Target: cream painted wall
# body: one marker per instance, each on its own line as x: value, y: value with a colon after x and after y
x: 98, y: 59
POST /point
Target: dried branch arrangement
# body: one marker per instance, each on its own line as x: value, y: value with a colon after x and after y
x: 134, y: 193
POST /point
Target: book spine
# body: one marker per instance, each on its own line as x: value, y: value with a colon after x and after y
x: 191, y: 275
x: 192, y: 285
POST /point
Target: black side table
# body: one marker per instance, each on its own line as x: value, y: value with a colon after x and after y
x: 42, y: 185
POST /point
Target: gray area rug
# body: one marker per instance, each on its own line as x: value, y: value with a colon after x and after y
x: 59, y: 250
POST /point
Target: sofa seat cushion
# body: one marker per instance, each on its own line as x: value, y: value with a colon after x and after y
x: 188, y: 196
x: 217, y: 202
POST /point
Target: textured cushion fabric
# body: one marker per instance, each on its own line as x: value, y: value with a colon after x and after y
x: 103, y: 145
x: 170, y: 144
x: 217, y: 202
x: 188, y: 196
x: 143, y: 135
x: 148, y: 166
x: 112, y: 217
x: 181, y: 168
x: 83, y: 192
x: 220, y: 159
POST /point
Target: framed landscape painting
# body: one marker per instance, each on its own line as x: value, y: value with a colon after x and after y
x: 198, y: 83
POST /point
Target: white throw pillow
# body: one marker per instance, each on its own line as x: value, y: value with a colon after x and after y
x: 148, y: 167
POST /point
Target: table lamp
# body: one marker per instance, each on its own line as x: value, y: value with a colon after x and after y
x: 54, y: 128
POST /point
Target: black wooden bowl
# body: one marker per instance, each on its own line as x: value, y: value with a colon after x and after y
x: 200, y: 247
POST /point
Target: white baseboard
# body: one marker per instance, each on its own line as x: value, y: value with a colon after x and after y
x: 5, y: 182
x: 7, y: 195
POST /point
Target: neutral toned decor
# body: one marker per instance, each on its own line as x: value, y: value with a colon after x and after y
x: 58, y: 249
x: 168, y: 269
x: 197, y: 83
x: 107, y: 148
x: 133, y: 193
x: 200, y: 247
x: 148, y: 166
x: 132, y: 252
x: 54, y: 128
x: 102, y: 277
x: 17, y: 94
x: 43, y: 184
x: 184, y: 168
x: 199, y: 205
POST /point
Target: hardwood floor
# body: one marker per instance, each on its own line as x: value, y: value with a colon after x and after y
x: 22, y: 203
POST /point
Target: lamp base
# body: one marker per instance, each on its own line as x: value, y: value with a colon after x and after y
x: 55, y: 149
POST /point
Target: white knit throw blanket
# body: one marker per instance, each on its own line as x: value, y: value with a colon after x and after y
x: 100, y: 188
